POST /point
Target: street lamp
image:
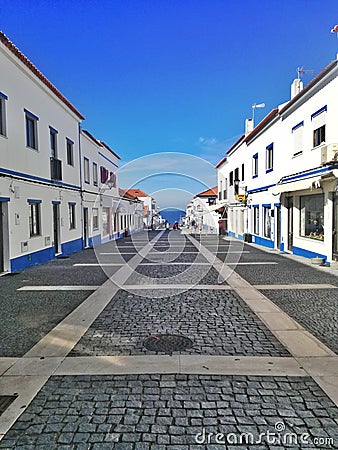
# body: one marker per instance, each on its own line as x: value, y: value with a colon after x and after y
x: 254, y: 106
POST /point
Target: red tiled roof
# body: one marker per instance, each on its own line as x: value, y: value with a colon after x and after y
x: 135, y: 193
x: 7, y: 43
x: 208, y: 193
x: 272, y: 114
x: 124, y: 193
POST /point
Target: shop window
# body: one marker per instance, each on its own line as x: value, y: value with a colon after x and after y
x: 95, y: 219
x: 267, y: 221
x: 312, y: 216
x: 34, y: 218
x: 71, y: 214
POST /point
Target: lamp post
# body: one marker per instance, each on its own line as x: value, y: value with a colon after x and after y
x: 254, y: 106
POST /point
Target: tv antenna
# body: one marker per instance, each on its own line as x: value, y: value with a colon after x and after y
x: 301, y: 71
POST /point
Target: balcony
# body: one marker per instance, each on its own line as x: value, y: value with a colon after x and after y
x: 55, y: 169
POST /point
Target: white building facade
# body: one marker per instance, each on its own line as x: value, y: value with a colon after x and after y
x: 200, y: 214
x: 58, y: 184
x: 287, y: 192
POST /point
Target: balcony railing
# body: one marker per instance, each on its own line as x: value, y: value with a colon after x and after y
x: 55, y: 169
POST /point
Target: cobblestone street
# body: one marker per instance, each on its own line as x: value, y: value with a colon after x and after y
x: 260, y: 370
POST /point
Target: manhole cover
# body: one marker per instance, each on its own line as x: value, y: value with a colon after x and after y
x: 167, y: 343
x: 5, y: 401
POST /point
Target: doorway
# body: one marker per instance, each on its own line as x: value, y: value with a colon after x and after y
x: 290, y: 222
x: 335, y: 229
x: 56, y: 227
x: 278, y: 227
x: 1, y: 240
x: 85, y: 227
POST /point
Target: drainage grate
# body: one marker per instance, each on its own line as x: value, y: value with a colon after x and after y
x: 5, y: 401
x: 167, y: 343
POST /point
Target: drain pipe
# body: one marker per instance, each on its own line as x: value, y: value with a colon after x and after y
x: 81, y: 186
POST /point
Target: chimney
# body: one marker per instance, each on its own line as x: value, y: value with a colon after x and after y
x: 296, y: 87
x: 248, y: 126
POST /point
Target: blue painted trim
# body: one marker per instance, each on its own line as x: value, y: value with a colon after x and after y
x: 70, y: 141
x: 300, y: 124
x: 266, y: 205
x: 105, y: 157
x: 71, y: 203
x: 31, y: 115
x: 316, y: 113
x: 269, y: 170
x: 32, y: 200
x: 262, y: 241
x: 33, y: 177
x: 255, y: 155
x: 54, y: 202
x: 303, y: 175
x: 254, y: 176
x: 277, y: 204
x: 72, y: 246
x: 263, y: 188
x: 255, y: 206
x: 5, y: 199
x: 4, y: 96
x: 307, y: 253
x: 32, y: 259
x: 95, y: 240
x: 281, y: 247
x: 53, y: 130
x: 269, y: 146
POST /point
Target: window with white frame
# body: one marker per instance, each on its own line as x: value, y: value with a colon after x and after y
x: 297, y: 134
x: 312, y: 216
x: 86, y: 170
x: 70, y: 152
x: 3, y: 130
x: 267, y: 221
x: 269, y: 158
x: 255, y: 166
x: 34, y: 218
x: 95, y: 219
x: 94, y: 174
x: 71, y: 214
x: 255, y: 211
x: 31, y: 130
x: 318, y: 120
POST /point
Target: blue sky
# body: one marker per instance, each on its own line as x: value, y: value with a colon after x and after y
x: 172, y: 76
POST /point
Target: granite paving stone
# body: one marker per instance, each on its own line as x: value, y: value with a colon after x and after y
x: 188, y: 432
x: 218, y: 322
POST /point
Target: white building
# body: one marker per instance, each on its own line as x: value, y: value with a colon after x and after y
x: 285, y: 172
x: 200, y: 212
x: 40, y: 185
x: 58, y: 184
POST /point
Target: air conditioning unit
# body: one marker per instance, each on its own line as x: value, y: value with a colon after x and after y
x: 329, y: 154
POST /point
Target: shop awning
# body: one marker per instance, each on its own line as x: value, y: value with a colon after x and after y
x: 298, y: 185
x: 218, y: 206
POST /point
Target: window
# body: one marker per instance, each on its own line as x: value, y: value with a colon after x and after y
x: 70, y: 152
x: 269, y: 158
x: 297, y: 132
x: 256, y: 219
x: 95, y: 219
x: 243, y: 172
x: 104, y: 175
x: 312, y: 216
x: 255, y: 166
x: 53, y: 142
x: 220, y: 190
x: 236, y: 174
x: 267, y: 221
x: 94, y: 174
x: 231, y: 178
x: 71, y: 213
x: 34, y: 218
x: 105, y: 221
x: 31, y: 130
x: 319, y: 136
x: 86, y: 170
x: 3, y: 99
